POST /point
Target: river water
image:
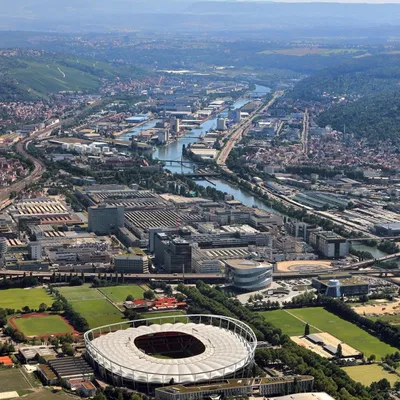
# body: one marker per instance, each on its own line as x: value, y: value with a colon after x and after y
x: 174, y: 152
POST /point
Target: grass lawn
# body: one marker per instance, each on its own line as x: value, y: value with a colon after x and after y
x: 163, y: 314
x: 18, y: 298
x: 46, y: 325
x: 79, y: 293
x: 391, y: 319
x: 98, y: 312
x: 366, y: 374
x: 13, y: 379
x: 286, y: 322
x: 46, y: 394
x: 118, y: 294
x: 343, y: 330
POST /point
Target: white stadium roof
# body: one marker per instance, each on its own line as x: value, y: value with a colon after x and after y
x: 226, y: 351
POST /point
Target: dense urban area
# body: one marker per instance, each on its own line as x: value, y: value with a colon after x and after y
x: 197, y: 204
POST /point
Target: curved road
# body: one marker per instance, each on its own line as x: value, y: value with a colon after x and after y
x: 39, y: 167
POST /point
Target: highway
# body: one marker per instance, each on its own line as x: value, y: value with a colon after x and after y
x: 238, y: 131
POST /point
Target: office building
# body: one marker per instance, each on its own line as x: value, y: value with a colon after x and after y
x: 221, y: 124
x: 340, y: 285
x: 249, y: 275
x: 178, y: 256
x: 232, y: 388
x: 105, y: 219
x: 329, y: 244
x: 134, y: 262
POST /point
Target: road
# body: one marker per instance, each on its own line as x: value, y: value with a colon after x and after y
x: 237, y: 133
x: 39, y: 167
x: 304, y: 133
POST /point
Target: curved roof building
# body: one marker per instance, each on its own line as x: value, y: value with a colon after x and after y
x: 249, y: 275
x: 195, y: 348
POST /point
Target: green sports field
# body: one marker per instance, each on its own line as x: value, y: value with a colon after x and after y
x: 18, y: 298
x: 163, y: 314
x: 289, y: 325
x: 118, y: 294
x: 366, y: 374
x: 98, y: 312
x: 79, y: 293
x: 14, y: 379
x: 343, y: 330
x: 42, y: 325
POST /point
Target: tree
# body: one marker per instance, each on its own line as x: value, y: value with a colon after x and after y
x: 307, y: 329
x: 372, y: 358
x: 57, y: 306
x: 26, y: 309
x: 383, y: 385
x: 42, y: 307
x: 339, y: 351
x: 129, y: 298
x: 149, y: 294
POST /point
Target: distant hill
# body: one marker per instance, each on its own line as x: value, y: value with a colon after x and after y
x: 360, y: 76
x: 30, y: 75
x: 373, y: 117
x: 187, y: 15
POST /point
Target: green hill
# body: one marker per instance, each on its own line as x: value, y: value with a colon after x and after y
x: 359, y: 77
x: 374, y: 117
x: 27, y: 76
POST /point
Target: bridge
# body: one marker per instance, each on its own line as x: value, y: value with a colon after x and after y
x: 187, y: 277
x: 181, y: 162
x: 378, y: 239
x: 201, y: 174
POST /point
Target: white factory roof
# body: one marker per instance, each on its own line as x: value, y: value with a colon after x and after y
x: 225, y: 352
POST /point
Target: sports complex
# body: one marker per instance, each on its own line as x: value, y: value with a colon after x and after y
x: 203, y: 348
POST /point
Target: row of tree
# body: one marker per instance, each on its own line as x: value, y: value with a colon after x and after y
x: 328, y: 376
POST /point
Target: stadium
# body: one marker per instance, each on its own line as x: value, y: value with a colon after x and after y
x: 190, y: 349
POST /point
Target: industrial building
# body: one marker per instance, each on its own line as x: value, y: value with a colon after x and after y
x: 389, y: 229
x: 105, y: 219
x: 249, y: 275
x: 340, y: 285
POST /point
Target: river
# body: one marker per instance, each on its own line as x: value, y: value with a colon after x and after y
x: 174, y: 152
x: 373, y: 250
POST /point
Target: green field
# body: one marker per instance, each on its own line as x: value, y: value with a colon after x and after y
x: 46, y: 325
x: 391, y: 319
x: 163, y: 314
x: 79, y: 293
x: 118, y: 294
x: 98, y: 312
x: 343, y: 330
x: 18, y: 298
x: 289, y: 325
x: 14, y: 379
x: 366, y: 374
x: 46, y: 394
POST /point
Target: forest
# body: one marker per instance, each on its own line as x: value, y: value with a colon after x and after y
x: 368, y: 75
x: 375, y: 118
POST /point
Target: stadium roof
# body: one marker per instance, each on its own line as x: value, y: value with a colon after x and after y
x: 225, y: 352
